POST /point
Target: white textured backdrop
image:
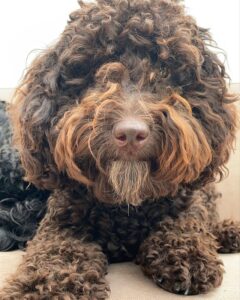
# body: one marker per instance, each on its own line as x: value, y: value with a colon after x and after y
x: 26, y: 26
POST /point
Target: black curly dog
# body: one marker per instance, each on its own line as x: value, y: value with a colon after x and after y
x: 21, y: 204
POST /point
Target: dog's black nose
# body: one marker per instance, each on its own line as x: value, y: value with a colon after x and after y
x: 131, y: 131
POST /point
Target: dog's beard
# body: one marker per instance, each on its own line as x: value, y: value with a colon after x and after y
x: 130, y: 180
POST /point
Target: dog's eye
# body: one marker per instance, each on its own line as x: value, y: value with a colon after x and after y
x: 196, y: 112
x: 164, y: 71
x: 165, y: 113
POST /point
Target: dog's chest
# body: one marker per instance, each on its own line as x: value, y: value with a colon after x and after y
x: 121, y: 229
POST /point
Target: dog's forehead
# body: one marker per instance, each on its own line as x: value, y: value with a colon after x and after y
x: 132, y: 95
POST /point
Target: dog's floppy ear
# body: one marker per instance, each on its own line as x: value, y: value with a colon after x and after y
x: 194, y: 67
x: 32, y: 113
x: 50, y: 87
x: 54, y: 83
x: 212, y: 105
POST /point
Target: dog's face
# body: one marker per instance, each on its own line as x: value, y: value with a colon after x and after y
x: 130, y: 102
x: 130, y: 144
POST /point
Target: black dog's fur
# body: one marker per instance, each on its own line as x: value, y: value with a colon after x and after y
x: 21, y: 205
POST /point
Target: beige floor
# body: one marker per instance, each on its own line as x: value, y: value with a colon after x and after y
x: 128, y: 283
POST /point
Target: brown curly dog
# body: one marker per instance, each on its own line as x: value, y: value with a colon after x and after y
x: 128, y: 120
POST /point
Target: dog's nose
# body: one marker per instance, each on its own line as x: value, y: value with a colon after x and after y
x: 131, y: 131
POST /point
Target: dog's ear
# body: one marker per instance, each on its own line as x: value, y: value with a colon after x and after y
x: 195, y: 68
x: 32, y: 114
x: 213, y: 105
x: 50, y: 87
x: 53, y: 85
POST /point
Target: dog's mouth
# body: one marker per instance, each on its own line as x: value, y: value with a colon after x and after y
x: 131, y: 154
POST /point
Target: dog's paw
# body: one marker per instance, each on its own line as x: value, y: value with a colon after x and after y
x: 57, y: 285
x: 99, y: 290
x: 93, y: 292
x: 228, y: 236
x: 196, y: 275
x: 186, y: 264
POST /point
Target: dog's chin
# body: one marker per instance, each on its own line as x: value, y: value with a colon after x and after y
x: 130, y: 180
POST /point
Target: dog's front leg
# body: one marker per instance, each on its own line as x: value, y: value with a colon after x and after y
x: 181, y: 255
x: 58, y: 266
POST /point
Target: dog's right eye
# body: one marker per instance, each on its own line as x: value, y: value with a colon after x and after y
x: 165, y: 113
x: 196, y: 112
x: 164, y: 71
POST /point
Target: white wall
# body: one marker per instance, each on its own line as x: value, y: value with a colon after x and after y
x: 29, y: 25
x: 223, y: 19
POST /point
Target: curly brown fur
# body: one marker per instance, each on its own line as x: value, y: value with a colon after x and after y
x: 186, y: 260
x: 121, y: 60
x: 227, y: 234
x: 60, y: 267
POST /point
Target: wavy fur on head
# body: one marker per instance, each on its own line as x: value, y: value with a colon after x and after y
x: 141, y: 60
x: 76, y: 91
